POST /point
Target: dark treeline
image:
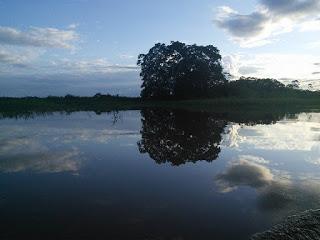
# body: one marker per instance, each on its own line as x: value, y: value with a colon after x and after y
x: 265, y: 88
x: 27, y: 106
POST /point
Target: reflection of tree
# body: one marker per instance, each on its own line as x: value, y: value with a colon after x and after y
x: 179, y: 136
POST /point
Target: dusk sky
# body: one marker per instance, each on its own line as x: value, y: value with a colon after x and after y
x: 82, y: 47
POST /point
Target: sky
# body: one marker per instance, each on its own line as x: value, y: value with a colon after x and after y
x: 82, y: 47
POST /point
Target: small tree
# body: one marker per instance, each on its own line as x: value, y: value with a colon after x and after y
x: 180, y: 71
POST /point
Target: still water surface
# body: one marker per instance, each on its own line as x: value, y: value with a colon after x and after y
x: 155, y: 174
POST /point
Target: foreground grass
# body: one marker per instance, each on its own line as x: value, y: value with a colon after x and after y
x: 105, y: 103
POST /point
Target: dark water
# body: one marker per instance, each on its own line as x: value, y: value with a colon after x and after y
x: 155, y: 174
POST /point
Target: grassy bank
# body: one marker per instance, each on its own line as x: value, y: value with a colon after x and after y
x: 106, y: 103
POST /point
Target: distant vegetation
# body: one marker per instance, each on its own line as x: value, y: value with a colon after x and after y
x: 266, y: 88
x: 27, y: 106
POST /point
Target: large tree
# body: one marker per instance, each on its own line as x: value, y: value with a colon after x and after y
x: 180, y: 71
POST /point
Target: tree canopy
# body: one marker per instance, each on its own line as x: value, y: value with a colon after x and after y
x: 178, y: 70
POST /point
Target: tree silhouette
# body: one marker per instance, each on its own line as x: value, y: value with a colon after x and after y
x: 180, y: 136
x: 295, y: 84
x: 180, y: 71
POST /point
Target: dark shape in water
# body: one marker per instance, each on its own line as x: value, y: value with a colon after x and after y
x: 179, y: 136
x: 299, y: 227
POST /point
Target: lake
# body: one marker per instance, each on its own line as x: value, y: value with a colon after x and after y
x: 156, y: 174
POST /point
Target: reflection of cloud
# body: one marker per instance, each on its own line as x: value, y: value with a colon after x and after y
x: 314, y: 157
x: 244, y: 173
x: 24, y: 154
x: 50, y: 148
x: 286, y: 195
x: 56, y: 135
x: 232, y: 137
x: 99, y: 136
x: 51, y: 162
x: 274, y: 193
x: 254, y: 159
x: 291, y: 134
x: 20, y: 145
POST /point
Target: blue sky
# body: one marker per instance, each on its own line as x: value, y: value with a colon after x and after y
x: 82, y: 47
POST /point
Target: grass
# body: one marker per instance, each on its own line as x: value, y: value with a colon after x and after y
x: 106, y: 103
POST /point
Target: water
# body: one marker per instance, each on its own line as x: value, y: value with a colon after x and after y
x: 155, y: 174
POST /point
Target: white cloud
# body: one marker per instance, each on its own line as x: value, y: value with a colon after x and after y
x: 73, y: 26
x: 271, y: 18
x: 11, y: 61
x: 126, y: 56
x: 38, y: 37
x: 313, y: 45
x: 313, y: 25
x: 273, y: 65
x: 99, y: 65
x: 17, y: 57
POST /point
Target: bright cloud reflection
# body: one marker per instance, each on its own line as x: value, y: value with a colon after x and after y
x: 301, y: 133
x: 40, y: 146
x: 275, y: 191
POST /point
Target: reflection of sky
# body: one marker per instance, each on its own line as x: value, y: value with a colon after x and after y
x: 280, y: 162
x: 299, y: 138
x: 302, y: 133
x: 262, y: 171
x: 53, y: 144
x: 275, y: 192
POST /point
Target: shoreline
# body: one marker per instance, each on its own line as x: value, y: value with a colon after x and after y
x: 246, y: 108
x: 106, y: 103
